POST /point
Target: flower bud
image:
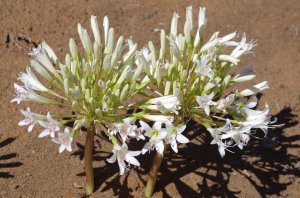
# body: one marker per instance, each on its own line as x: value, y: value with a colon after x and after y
x: 95, y: 29
x: 255, y: 89
x: 73, y: 48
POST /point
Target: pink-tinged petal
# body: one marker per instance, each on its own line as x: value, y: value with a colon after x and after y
x: 134, y: 153
x: 182, y: 139
x: 112, y: 159
x: 30, y: 127
x: 61, y: 148
x: 159, y: 146
x: 44, y: 133
x: 132, y: 160
x: 22, y: 123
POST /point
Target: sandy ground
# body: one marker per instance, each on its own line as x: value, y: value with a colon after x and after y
x: 32, y: 167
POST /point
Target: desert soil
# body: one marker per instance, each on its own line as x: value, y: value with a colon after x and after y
x: 32, y: 167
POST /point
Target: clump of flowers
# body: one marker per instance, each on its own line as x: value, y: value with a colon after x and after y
x: 185, y: 79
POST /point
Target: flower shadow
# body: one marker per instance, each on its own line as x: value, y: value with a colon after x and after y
x: 5, y: 160
x: 263, y: 162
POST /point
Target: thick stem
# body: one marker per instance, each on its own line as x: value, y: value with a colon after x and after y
x: 153, y: 173
x: 88, y: 161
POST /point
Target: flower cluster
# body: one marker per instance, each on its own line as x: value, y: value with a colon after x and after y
x: 185, y: 79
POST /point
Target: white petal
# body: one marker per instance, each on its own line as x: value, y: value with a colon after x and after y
x: 174, y: 147
x: 180, y: 129
x: 132, y: 160
x: 159, y: 146
x: 44, y: 133
x: 207, y: 110
x: 157, y: 126
x: 112, y: 159
x: 61, y: 148
x: 134, y: 153
x: 182, y: 139
x: 221, y: 150
x: 69, y: 148
x: 146, y: 148
x: 22, y: 123
x: 121, y: 167
x: 30, y: 127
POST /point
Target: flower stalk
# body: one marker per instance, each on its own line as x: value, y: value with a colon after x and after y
x: 88, y: 160
x: 152, y: 177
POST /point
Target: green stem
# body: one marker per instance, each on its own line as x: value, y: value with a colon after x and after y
x: 88, y: 161
x: 153, y: 172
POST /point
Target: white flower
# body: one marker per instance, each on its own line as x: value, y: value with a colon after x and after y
x: 40, y: 55
x: 257, y: 119
x: 158, y: 118
x: 174, y: 134
x: 123, y: 155
x: 225, y: 102
x: 203, y: 68
x: 255, y: 89
x: 65, y: 140
x: 29, y: 119
x: 165, y: 104
x: 30, y: 79
x: 27, y: 94
x: 156, y: 135
x: 21, y: 94
x: 51, y: 126
x: 126, y: 128
x: 205, y: 101
x: 240, y: 135
x: 217, y: 133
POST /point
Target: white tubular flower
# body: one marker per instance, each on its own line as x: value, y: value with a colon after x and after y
x: 65, y: 140
x: 95, y: 29
x: 228, y: 58
x: 240, y: 135
x: 201, y: 26
x: 40, y: 55
x: 225, y: 102
x: 257, y: 119
x: 123, y: 155
x: 164, y: 104
x: 126, y: 128
x: 106, y: 29
x: 255, y: 89
x: 217, y: 133
x: 158, y: 118
x: 203, y: 67
x: 175, y: 50
x: 174, y: 135
x: 85, y: 39
x: 51, y: 126
x: 30, y: 79
x: 27, y: 94
x: 188, y: 26
x: 174, y: 25
x: 156, y: 135
x: 242, y: 48
x: 227, y: 38
x: 205, y: 101
x: 29, y: 119
x: 244, y: 78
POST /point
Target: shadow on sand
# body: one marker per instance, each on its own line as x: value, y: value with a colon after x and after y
x: 262, y: 163
x: 7, y: 157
